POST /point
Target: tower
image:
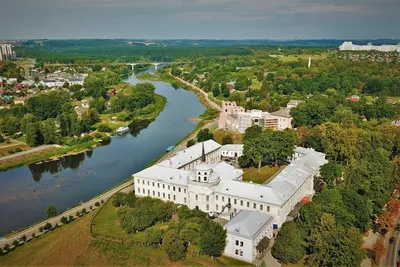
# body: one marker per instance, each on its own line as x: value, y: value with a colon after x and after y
x: 203, y: 154
x: 309, y: 62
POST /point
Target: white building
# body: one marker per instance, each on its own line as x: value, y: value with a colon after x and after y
x: 248, y: 235
x: 6, y: 52
x: 206, y: 183
x: 349, y: 46
x: 75, y: 81
x: 231, y: 151
x: 236, y: 119
x: 52, y: 83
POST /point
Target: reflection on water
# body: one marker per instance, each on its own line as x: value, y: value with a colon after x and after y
x: 25, y: 192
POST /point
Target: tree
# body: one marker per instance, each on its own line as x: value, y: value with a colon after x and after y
x: 190, y: 143
x: 34, y: 136
x: 204, y: 135
x: 174, y: 246
x: 98, y: 104
x: 288, y: 246
x: 227, y: 139
x: 49, y: 132
x: 154, y: 237
x: 51, y: 211
x: 378, y: 251
x: 330, y: 245
x: 212, y: 239
x: 330, y: 172
x: 216, y: 91
x: 64, y: 220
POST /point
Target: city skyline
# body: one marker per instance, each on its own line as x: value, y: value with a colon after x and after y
x: 199, y: 19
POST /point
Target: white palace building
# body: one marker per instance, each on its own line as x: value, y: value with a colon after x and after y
x: 197, y: 177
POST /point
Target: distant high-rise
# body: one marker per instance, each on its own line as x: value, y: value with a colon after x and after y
x: 349, y: 46
x: 6, y: 52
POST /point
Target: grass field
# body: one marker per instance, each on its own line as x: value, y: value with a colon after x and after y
x: 5, y: 147
x: 236, y: 137
x: 252, y: 174
x: 116, y: 253
x: 255, y: 84
x: 303, y: 57
x: 61, y: 247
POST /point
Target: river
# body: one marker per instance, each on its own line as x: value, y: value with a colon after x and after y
x: 25, y: 192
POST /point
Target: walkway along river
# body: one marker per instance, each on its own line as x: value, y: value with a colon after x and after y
x: 25, y: 192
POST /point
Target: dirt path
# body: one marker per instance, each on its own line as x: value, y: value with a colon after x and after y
x: 23, y: 153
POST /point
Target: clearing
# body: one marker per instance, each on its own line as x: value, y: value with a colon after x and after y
x: 289, y: 58
x: 220, y: 133
x: 266, y: 172
x: 5, y: 147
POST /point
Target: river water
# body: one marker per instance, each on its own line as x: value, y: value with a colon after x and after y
x: 25, y: 192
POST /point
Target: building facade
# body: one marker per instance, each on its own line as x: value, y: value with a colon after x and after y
x: 248, y: 235
x: 7, y: 53
x: 234, y: 118
x: 231, y: 151
x: 349, y: 46
x: 196, y: 177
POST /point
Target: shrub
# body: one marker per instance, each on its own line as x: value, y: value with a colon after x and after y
x: 1, y: 252
x: 90, y: 207
x: 190, y: 143
x: 24, y: 238
x: 6, y: 248
x: 15, y: 243
x: 104, y: 128
x: 18, y: 149
x: 47, y: 226
x: 71, y: 218
x: 64, y: 220
x: 102, y: 201
x: 41, y: 229
x: 33, y: 235
x: 227, y: 139
x: 78, y: 214
x: 97, y: 135
x: 97, y: 204
x: 83, y: 211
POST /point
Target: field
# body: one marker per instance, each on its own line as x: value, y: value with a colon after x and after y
x: 61, y: 247
x: 252, y: 174
x: 6, y: 147
x: 303, y: 57
x: 236, y: 137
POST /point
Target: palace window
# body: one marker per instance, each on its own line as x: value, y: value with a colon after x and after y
x: 205, y: 173
x: 236, y: 251
x: 207, y: 207
x: 153, y: 183
x: 234, y: 201
x: 205, y: 179
x: 169, y: 196
x: 158, y: 194
x: 179, y: 189
x: 174, y: 197
x: 138, y: 181
x: 261, y: 207
x: 254, y: 206
x: 154, y: 193
x: 207, y: 198
x: 237, y: 242
x: 197, y: 197
x: 241, y: 243
x: 148, y: 183
x: 163, y: 186
x: 184, y: 200
x: 169, y: 187
x: 163, y: 195
x: 148, y: 192
x: 158, y: 185
x: 173, y: 188
x: 142, y: 181
x: 216, y: 197
x: 248, y: 204
x: 241, y: 253
x: 241, y: 202
x: 184, y: 190
x: 216, y: 207
x: 138, y: 189
x: 268, y: 208
x: 223, y: 199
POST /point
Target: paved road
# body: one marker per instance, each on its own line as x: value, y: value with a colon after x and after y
x: 33, y: 150
x: 209, y: 102
x: 391, y: 258
x: 124, y: 187
x: 72, y: 212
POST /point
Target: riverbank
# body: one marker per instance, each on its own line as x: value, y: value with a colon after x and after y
x: 48, y: 154
x: 148, y: 113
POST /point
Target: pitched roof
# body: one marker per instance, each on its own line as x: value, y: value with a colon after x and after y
x: 232, y: 147
x: 165, y: 174
x: 189, y: 154
x: 283, y: 112
x: 248, y: 223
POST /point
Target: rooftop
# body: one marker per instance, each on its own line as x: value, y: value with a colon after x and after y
x: 165, y: 174
x: 283, y: 112
x: 232, y: 147
x: 190, y: 154
x: 247, y: 223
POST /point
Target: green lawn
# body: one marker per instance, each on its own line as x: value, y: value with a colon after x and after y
x: 255, y: 84
x: 252, y: 174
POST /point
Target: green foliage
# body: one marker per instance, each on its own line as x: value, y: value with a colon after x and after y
x: 227, y: 139
x: 190, y: 143
x: 212, y: 239
x: 184, y: 213
x: 51, y: 211
x: 104, y: 128
x: 330, y: 245
x: 123, y: 199
x: 64, y: 220
x: 204, y: 135
x: 48, y: 105
x: 154, y: 237
x: 288, y: 246
x: 330, y: 172
x: 174, y: 246
x: 47, y: 226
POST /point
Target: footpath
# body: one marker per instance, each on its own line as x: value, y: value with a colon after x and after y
x: 90, y: 205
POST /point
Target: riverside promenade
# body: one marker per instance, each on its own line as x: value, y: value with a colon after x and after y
x: 127, y: 186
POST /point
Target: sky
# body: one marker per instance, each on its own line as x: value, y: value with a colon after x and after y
x: 199, y: 19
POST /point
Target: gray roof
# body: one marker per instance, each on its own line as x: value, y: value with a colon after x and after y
x: 283, y: 112
x: 165, y: 174
x: 248, y: 223
x: 189, y: 154
x: 232, y: 147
